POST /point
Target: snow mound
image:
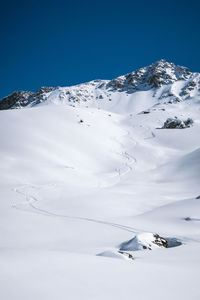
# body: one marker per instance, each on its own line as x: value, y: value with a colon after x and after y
x: 185, y: 169
x: 144, y: 241
x: 114, y: 254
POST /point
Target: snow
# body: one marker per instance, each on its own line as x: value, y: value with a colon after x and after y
x: 145, y: 240
x: 72, y: 193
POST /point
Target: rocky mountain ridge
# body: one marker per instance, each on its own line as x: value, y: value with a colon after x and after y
x: 170, y: 82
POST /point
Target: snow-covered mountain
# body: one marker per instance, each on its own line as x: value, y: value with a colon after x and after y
x: 172, y: 83
x: 100, y: 195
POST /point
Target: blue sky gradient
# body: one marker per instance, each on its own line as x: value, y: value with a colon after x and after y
x: 52, y: 43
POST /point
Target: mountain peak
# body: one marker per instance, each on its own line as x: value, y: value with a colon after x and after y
x: 164, y: 64
x: 161, y: 62
x: 157, y: 74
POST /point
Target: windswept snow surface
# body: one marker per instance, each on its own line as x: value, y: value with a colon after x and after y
x: 79, y: 180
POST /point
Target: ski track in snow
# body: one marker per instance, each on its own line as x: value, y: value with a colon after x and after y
x: 30, y: 200
x: 33, y: 208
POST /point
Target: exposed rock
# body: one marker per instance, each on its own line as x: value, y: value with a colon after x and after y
x: 22, y: 98
x: 190, y: 86
x: 158, y: 74
x: 144, y: 112
x: 128, y: 255
x: 160, y: 241
x: 175, y: 123
x: 15, y: 100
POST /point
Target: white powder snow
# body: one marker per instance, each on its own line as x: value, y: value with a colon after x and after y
x: 71, y: 190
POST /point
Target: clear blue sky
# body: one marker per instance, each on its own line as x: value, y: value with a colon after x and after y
x: 51, y: 43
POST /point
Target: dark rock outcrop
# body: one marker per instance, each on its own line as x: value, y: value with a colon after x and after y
x: 160, y: 241
x: 22, y: 98
x: 175, y: 123
x: 15, y: 100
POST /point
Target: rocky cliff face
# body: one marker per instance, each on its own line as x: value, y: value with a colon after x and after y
x: 21, y: 99
x: 170, y: 83
x: 15, y: 100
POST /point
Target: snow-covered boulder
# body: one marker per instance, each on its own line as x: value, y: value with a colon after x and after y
x: 175, y: 123
x: 144, y: 241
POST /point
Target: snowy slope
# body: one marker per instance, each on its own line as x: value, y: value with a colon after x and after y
x: 85, y: 169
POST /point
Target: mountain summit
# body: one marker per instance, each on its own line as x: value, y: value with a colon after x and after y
x: 153, y: 76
